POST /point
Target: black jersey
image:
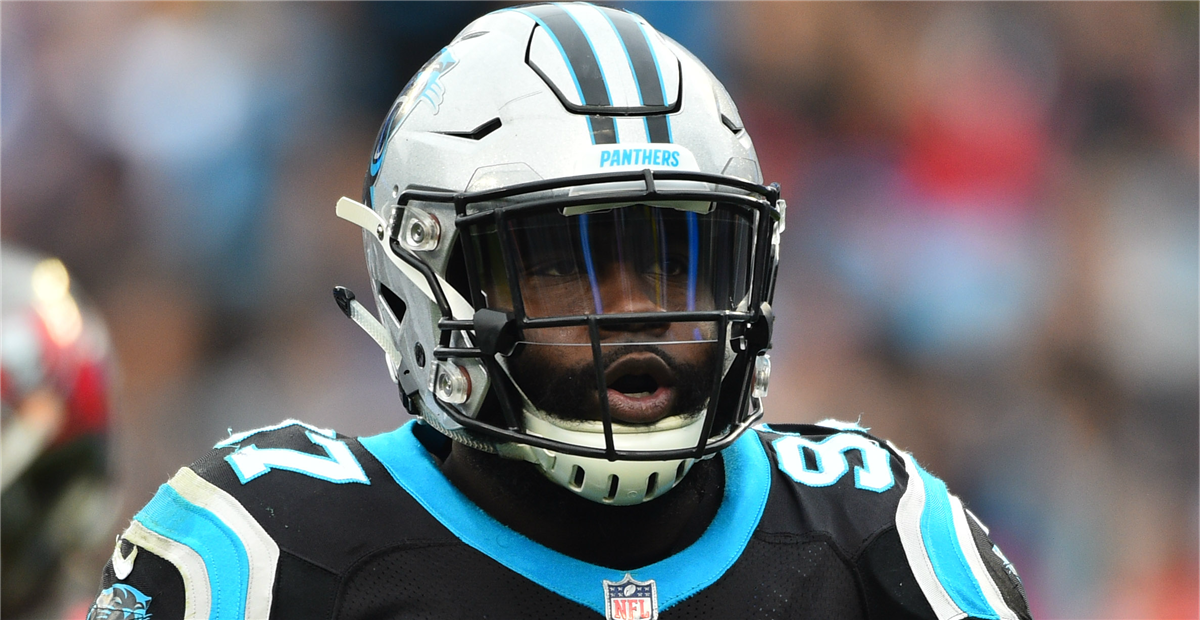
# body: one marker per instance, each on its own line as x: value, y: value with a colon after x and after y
x: 293, y: 521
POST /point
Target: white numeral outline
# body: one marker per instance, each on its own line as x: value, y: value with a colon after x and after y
x: 339, y: 466
x: 875, y: 473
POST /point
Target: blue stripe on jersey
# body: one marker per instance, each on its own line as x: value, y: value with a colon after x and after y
x: 941, y: 545
x: 747, y: 485
x: 225, y: 560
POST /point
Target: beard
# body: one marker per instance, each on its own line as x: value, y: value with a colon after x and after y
x: 570, y: 391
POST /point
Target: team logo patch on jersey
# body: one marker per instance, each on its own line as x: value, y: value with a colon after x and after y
x: 630, y: 600
x: 120, y: 602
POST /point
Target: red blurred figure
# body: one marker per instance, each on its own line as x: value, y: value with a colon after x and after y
x: 55, y: 378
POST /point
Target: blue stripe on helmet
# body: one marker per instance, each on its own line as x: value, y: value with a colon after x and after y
x: 592, y: 90
x: 587, y: 261
x: 662, y: 83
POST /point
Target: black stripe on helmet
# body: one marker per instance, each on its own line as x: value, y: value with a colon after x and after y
x: 578, y: 49
x: 645, y: 70
x: 604, y: 130
x: 658, y: 129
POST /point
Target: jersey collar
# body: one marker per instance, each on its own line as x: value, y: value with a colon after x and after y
x: 747, y: 485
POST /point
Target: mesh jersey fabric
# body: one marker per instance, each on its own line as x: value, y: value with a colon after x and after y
x: 351, y: 550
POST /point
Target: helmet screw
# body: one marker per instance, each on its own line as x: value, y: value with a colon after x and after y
x: 419, y: 353
x: 451, y: 383
x: 421, y: 230
x: 762, y: 375
x: 379, y: 232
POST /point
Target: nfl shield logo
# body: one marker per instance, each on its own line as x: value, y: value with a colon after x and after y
x: 630, y: 600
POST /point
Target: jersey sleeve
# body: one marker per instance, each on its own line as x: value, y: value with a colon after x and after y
x: 137, y: 584
x: 917, y: 553
x: 937, y: 561
x: 192, y: 552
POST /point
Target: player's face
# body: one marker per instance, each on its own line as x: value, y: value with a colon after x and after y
x: 630, y: 260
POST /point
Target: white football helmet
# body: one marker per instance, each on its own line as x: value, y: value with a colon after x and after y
x: 572, y: 250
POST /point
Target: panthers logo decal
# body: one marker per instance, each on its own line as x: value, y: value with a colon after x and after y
x: 120, y: 602
x: 425, y: 86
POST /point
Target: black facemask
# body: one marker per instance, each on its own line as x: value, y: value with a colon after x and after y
x: 570, y: 393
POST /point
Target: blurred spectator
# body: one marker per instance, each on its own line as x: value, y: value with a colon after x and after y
x: 994, y: 248
x: 56, y: 382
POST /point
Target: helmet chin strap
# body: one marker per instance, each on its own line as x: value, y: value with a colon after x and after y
x: 367, y: 321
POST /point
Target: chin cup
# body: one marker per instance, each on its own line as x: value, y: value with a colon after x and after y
x: 618, y: 483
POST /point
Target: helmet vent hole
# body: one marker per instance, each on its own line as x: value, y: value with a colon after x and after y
x: 679, y: 471
x: 576, y: 478
x: 730, y: 124
x: 479, y: 132
x: 393, y: 302
x: 613, y: 482
x: 652, y: 484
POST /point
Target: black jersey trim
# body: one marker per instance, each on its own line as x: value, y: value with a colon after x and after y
x: 747, y: 486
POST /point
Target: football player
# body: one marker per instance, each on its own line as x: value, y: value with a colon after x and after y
x: 56, y: 374
x: 573, y: 256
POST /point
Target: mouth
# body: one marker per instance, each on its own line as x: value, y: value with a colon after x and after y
x: 641, y: 388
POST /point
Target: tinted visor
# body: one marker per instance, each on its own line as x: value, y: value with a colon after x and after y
x: 630, y: 260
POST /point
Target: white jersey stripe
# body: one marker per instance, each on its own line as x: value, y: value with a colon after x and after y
x: 196, y: 589
x: 908, y: 525
x: 991, y: 592
x: 261, y: 550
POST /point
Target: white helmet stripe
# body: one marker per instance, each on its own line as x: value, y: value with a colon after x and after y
x: 580, y: 58
x: 647, y: 74
x: 615, y: 68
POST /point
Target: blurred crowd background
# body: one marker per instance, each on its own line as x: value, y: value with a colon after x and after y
x: 991, y: 255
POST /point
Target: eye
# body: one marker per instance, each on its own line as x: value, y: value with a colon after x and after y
x: 669, y: 267
x: 556, y: 268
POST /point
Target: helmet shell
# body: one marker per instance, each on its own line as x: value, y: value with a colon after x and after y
x: 527, y: 94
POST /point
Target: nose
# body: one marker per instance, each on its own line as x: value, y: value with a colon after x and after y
x: 624, y: 291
